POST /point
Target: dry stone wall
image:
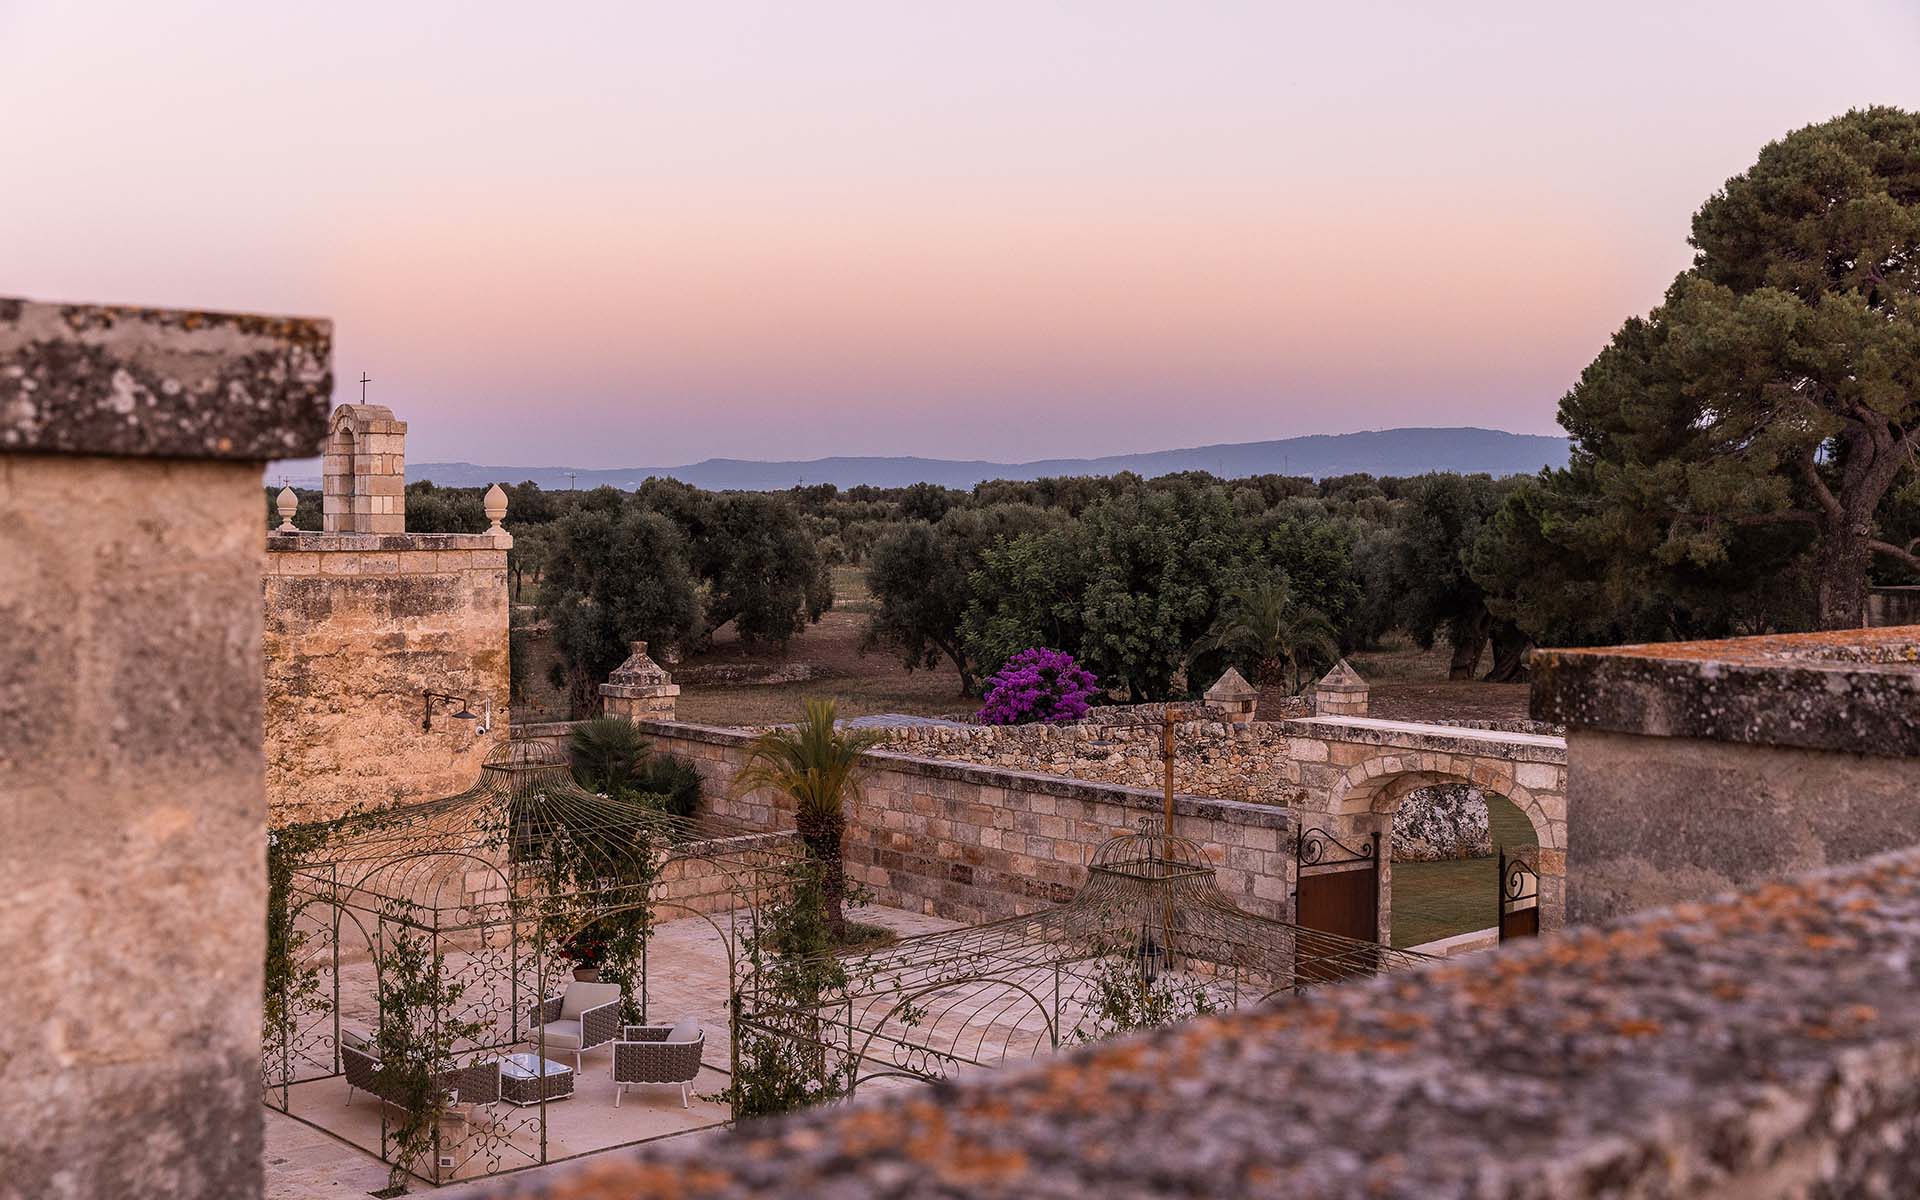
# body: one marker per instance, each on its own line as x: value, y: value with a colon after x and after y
x: 358, y: 627
x: 1250, y: 764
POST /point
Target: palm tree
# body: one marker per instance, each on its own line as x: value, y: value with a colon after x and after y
x: 1266, y: 624
x: 819, y: 766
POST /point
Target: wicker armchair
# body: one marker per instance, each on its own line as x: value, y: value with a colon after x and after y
x: 584, y: 1016
x: 475, y: 1085
x: 658, y: 1054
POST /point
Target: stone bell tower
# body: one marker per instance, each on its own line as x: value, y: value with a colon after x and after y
x: 364, y: 472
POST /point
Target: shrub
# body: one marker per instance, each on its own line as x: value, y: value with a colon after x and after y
x: 1038, y: 685
x: 673, y: 779
x: 606, y: 753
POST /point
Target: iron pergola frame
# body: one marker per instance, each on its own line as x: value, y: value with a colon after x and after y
x: 932, y: 1006
x: 494, y: 882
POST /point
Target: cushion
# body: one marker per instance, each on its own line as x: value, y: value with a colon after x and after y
x: 582, y: 996
x: 686, y: 1029
x: 565, y: 1034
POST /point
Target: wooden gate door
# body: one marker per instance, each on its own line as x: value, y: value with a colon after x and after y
x: 1518, y: 904
x: 1338, y: 892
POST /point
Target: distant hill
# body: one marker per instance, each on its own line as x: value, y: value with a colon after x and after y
x: 1380, y: 452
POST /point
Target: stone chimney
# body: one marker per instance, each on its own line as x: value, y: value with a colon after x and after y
x: 1341, y: 693
x: 639, y: 689
x: 1233, y: 693
x: 365, y: 471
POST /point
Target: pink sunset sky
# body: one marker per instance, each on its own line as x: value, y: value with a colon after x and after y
x: 644, y: 234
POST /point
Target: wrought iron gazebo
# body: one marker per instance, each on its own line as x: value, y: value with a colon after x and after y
x: 438, y: 927
x: 1149, y: 939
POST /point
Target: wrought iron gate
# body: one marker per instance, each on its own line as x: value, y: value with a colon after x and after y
x: 1518, y: 904
x: 1338, y: 889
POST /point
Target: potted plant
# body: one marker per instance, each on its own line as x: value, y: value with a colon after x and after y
x: 588, y: 950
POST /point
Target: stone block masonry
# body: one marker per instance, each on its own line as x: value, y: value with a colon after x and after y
x: 133, y: 814
x: 358, y: 628
x: 973, y: 844
x: 1697, y: 767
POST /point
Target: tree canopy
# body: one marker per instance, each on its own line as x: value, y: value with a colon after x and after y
x: 1738, y: 450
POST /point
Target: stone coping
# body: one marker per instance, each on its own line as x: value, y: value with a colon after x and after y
x: 162, y: 383
x: 1463, y: 739
x: 306, y: 542
x: 1764, y: 1044
x: 1854, y: 691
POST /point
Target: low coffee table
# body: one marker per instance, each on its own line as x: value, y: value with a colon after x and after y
x: 523, y: 1082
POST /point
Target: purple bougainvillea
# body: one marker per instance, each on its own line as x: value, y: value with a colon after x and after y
x: 1038, y: 685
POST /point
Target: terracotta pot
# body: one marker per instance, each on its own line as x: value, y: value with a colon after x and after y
x: 587, y: 974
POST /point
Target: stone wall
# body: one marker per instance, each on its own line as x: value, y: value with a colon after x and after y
x: 1763, y: 1046
x: 1247, y: 763
x: 132, y: 815
x: 1695, y: 767
x: 358, y: 628
x: 974, y: 844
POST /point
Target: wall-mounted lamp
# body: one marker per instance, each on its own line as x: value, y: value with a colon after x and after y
x: 427, y: 703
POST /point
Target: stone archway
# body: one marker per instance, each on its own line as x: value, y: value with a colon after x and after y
x: 1369, y: 792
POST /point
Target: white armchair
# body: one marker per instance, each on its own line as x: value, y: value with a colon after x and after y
x: 584, y: 1016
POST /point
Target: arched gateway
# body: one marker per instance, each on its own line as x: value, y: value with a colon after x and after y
x: 1356, y: 771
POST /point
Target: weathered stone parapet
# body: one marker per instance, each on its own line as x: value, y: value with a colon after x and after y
x: 132, y: 819
x: 161, y: 383
x: 1856, y: 691
x: 639, y: 689
x: 1696, y: 767
x: 279, y: 542
x: 1759, y: 1046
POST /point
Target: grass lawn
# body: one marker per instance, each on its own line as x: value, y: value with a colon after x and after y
x: 1439, y: 899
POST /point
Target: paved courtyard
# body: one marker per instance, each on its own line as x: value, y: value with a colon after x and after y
x: 688, y: 977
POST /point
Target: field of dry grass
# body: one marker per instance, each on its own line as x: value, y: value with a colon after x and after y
x: 862, y: 683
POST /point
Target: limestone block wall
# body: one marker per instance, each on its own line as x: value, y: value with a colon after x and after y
x: 705, y: 883
x: 974, y: 843
x: 1696, y: 767
x: 131, y: 817
x: 357, y: 627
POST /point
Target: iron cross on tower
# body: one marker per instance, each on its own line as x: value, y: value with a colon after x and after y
x: 364, y: 381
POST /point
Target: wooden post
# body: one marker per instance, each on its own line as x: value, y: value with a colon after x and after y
x: 1166, y: 755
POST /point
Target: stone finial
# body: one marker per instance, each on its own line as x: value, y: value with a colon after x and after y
x: 639, y: 689
x: 1233, y: 693
x: 286, y: 504
x: 495, y: 506
x: 1340, y: 693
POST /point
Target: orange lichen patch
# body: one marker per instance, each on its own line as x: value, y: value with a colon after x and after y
x: 866, y: 1130
x: 1836, y: 646
x: 633, y: 1180
x: 1822, y: 941
x: 1727, y: 990
x: 1406, y: 1022
x: 1637, y: 1027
